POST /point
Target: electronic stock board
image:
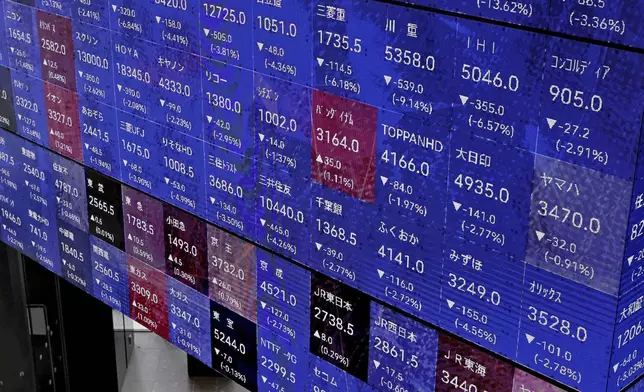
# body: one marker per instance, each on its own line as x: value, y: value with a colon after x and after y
x: 340, y: 195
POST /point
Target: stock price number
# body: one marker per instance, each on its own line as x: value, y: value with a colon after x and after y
x: 630, y: 334
x: 175, y: 87
x: 225, y: 186
x: 183, y: 245
x: 179, y: 167
x: 279, y: 293
x: 282, y: 209
x: 60, y: 118
x: 402, y: 259
x: 478, y: 75
x: 229, y: 268
x: 136, y: 149
x: 340, y: 41
x: 230, y: 342
x: 140, y: 290
x: 53, y: 46
x: 475, y: 289
x: 566, y: 215
x: 396, y: 352
x: 176, y: 4
x: 101, y: 205
x: 277, y: 26
x: 576, y: 98
x: 226, y: 14
x: 558, y: 324
x: 140, y: 224
x: 483, y: 188
x: 277, y: 120
x: 333, y: 139
x: 410, y: 58
x: 181, y: 313
x: 336, y: 232
x: 278, y: 369
x: 333, y: 321
x: 453, y: 380
x: 133, y: 73
x: 405, y: 163
x: 107, y: 271
x: 221, y: 102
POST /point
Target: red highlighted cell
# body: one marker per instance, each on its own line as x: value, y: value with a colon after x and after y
x: 63, y: 125
x: 460, y: 366
x: 525, y: 382
x: 232, y: 270
x: 143, y: 221
x: 148, y: 297
x: 344, y: 145
x: 185, y: 248
x: 57, y: 50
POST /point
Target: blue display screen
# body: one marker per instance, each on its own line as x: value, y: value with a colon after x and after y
x: 340, y: 195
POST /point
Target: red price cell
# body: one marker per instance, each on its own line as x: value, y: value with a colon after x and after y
x: 143, y: 221
x: 526, y: 382
x: 57, y: 50
x: 63, y: 122
x: 344, y: 145
x: 148, y: 297
x: 185, y: 248
x: 232, y: 271
x: 461, y: 366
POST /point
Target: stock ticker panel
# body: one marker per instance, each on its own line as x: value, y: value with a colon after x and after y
x: 340, y: 195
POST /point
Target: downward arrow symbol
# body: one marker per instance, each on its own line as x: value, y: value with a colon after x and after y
x: 381, y: 273
x: 320, y: 61
x: 551, y: 122
x: 464, y: 99
x: 540, y: 234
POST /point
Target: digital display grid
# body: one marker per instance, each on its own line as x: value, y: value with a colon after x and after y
x: 477, y: 176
